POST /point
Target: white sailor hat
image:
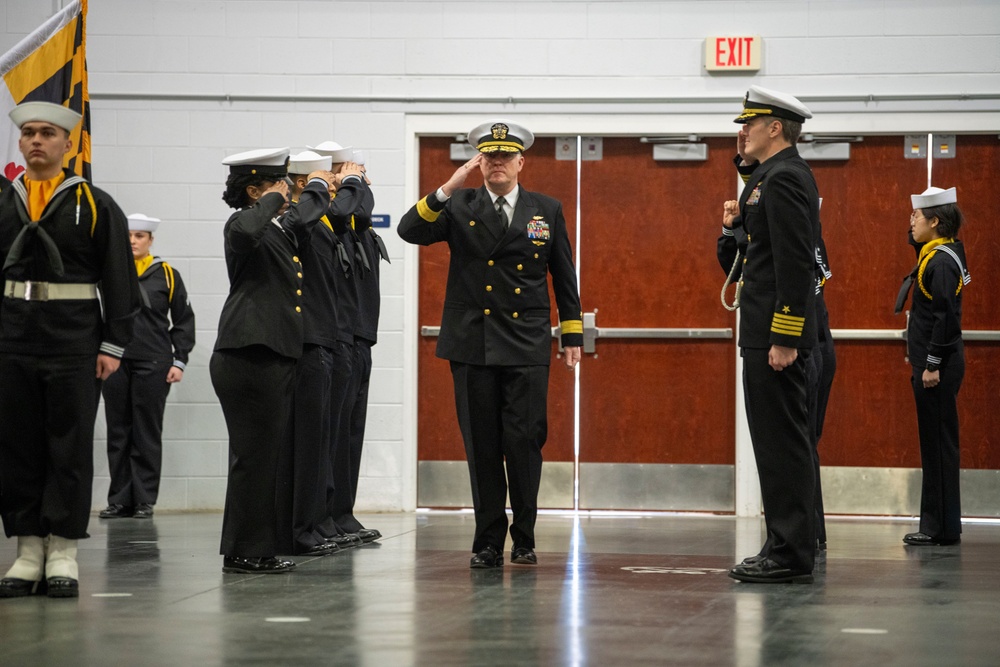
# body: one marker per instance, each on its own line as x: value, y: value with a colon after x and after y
x: 46, y: 112
x: 334, y: 150
x: 137, y: 222
x: 764, y: 102
x: 934, y: 197
x: 265, y: 160
x: 359, y: 157
x: 307, y: 162
x: 501, y: 135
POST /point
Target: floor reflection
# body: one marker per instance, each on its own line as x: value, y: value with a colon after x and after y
x: 648, y: 589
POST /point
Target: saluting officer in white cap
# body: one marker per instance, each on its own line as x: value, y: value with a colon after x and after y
x: 136, y: 394
x: 324, y: 368
x: 61, y: 240
x: 356, y: 312
x: 504, y: 242
x: 253, y: 365
x: 369, y: 252
x: 937, y: 358
x: 779, y: 209
x: 303, y: 167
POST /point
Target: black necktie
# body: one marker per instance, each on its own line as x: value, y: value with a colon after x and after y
x: 904, y: 291
x: 503, y: 214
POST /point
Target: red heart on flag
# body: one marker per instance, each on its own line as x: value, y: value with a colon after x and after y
x: 12, y: 171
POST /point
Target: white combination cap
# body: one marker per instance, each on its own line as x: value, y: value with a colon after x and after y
x: 500, y: 135
x: 765, y: 102
x: 45, y: 112
x: 337, y: 152
x: 137, y: 222
x: 934, y: 197
x: 307, y: 162
x: 269, y: 160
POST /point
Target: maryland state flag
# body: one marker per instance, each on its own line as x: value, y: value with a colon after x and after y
x: 48, y: 65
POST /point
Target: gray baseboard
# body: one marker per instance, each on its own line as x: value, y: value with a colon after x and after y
x: 707, y: 488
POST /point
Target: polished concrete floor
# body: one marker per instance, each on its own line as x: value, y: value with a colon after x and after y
x: 608, y: 590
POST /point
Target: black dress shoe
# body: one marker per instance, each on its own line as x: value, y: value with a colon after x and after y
x: 766, y: 571
x: 750, y: 560
x: 369, y: 535
x: 488, y: 557
x: 115, y: 512
x: 258, y: 565
x: 523, y: 556
x: 11, y: 587
x: 62, y: 587
x: 922, y: 540
x: 354, y: 538
x: 322, y: 549
x: 343, y: 541
x: 143, y: 511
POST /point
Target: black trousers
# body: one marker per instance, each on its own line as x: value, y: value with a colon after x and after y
x: 937, y: 421
x: 254, y: 386
x: 310, y: 456
x: 47, y: 411
x: 134, y: 399
x: 821, y: 368
x: 780, y: 428
x: 353, y: 421
x: 824, y: 358
x: 502, y: 416
x: 337, y: 446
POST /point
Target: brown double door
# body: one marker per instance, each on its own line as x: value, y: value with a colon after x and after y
x: 656, y: 420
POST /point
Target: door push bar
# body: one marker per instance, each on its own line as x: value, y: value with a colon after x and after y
x: 900, y: 334
x: 591, y: 332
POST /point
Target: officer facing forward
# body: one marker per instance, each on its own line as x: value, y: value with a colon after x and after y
x: 504, y: 241
x: 62, y: 241
x: 779, y: 208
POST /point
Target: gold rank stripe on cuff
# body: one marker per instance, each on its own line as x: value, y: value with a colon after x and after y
x: 425, y: 212
x: 572, y: 326
x: 788, y: 325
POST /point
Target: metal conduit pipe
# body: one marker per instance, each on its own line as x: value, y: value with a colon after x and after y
x: 410, y: 99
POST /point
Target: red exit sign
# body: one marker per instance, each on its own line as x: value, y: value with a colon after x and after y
x: 732, y: 53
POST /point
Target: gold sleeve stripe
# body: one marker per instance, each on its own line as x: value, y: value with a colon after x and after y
x: 787, y: 324
x: 786, y: 331
x: 572, y: 326
x: 425, y: 212
x: 789, y: 319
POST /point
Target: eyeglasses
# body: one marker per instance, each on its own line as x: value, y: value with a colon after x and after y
x: 917, y: 213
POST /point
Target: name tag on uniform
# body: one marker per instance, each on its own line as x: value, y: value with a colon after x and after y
x: 538, y: 229
x: 754, y: 197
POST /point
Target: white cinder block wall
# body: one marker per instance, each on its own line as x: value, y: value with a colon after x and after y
x: 176, y: 85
